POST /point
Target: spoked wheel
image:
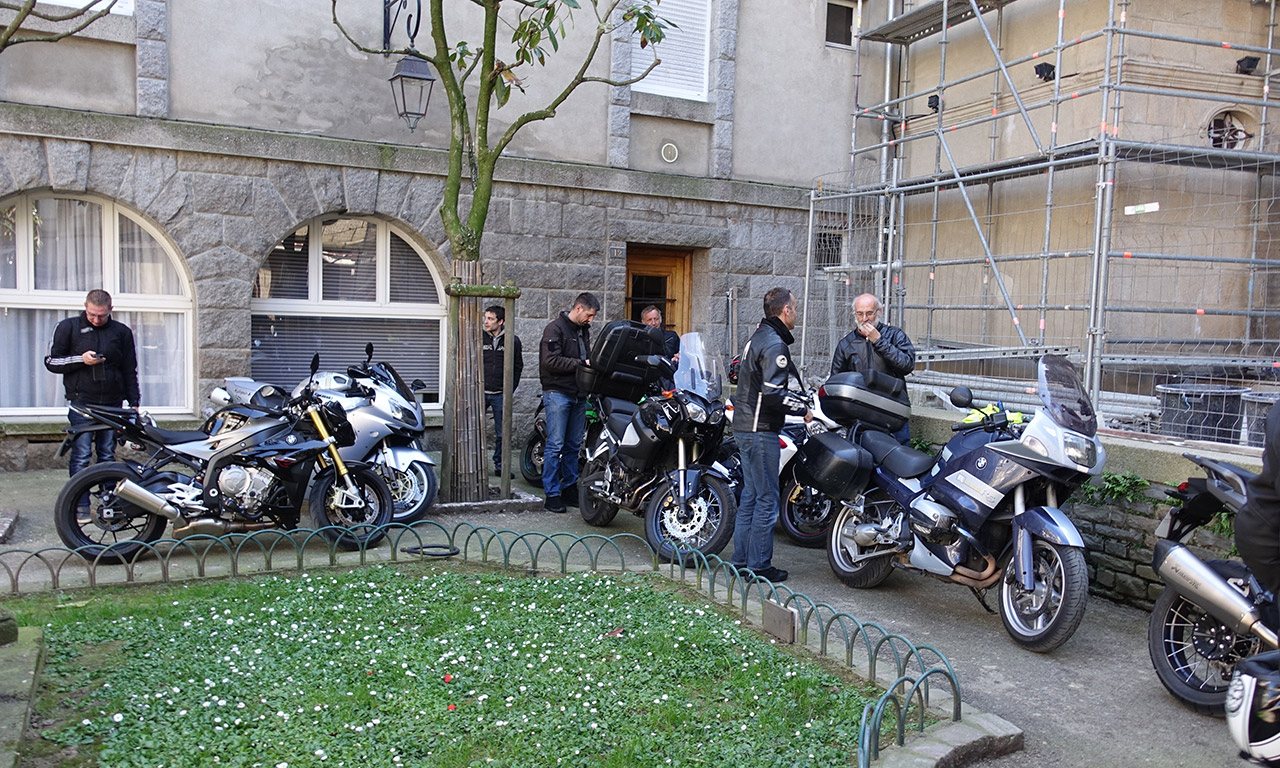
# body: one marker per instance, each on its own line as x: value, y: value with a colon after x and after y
x: 704, y: 523
x: 850, y: 526
x: 805, y: 515
x: 361, y: 514
x: 412, y: 491
x: 113, y: 531
x: 1193, y: 653
x: 1045, y: 617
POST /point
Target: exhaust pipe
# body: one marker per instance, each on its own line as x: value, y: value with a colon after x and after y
x: 1191, y: 578
x: 137, y: 495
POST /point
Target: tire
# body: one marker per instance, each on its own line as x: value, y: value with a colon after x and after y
x: 705, y: 525
x: 805, y: 515
x: 1046, y: 618
x: 413, y: 491
x: 531, y: 459
x: 842, y: 549
x: 118, y: 530
x: 1193, y: 653
x: 595, y: 511
x: 362, y: 525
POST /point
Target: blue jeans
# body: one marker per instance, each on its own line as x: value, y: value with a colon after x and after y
x: 758, y: 510
x: 85, y: 443
x: 566, y: 424
x: 494, y: 403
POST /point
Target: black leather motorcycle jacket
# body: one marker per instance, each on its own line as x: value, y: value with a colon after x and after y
x: 893, y: 353
x: 493, y: 348
x: 564, y: 346
x: 763, y: 402
x: 112, y: 381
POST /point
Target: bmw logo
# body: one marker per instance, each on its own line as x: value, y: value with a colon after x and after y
x: 981, y: 462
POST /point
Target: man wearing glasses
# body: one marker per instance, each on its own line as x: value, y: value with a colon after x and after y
x: 875, y: 346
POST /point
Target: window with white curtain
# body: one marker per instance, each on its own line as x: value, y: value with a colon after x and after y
x: 56, y: 248
x: 338, y: 283
x: 685, y: 52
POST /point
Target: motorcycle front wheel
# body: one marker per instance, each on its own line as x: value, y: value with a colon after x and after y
x: 413, y: 491
x: 351, y: 519
x: 1193, y: 653
x: 843, y: 551
x: 704, y: 523
x: 115, y: 531
x: 1045, y: 617
x: 805, y: 515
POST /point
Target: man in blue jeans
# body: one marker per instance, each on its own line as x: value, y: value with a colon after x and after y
x: 566, y: 342
x: 493, y: 346
x: 762, y: 405
x: 97, y: 358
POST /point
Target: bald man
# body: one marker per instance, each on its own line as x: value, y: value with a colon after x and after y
x: 875, y: 346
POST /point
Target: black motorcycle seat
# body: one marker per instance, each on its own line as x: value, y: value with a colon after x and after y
x: 171, y: 436
x: 903, y: 461
x: 613, y: 405
x: 617, y: 423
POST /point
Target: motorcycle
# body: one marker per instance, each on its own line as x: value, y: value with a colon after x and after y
x: 985, y: 513
x: 654, y: 458
x: 388, y: 424
x: 1208, y: 616
x: 252, y: 476
x: 535, y: 446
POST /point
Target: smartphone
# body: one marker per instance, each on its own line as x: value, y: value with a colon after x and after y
x: 97, y: 356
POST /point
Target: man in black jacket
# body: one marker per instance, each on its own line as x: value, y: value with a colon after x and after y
x: 761, y: 406
x: 97, y: 359
x: 875, y: 346
x: 493, y: 344
x: 566, y: 342
x: 652, y: 317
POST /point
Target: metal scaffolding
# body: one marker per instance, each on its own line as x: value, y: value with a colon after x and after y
x: 1126, y: 211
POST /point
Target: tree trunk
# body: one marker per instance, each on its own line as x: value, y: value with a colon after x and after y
x: 468, y: 477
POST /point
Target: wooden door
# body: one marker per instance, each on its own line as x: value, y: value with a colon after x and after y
x: 660, y: 277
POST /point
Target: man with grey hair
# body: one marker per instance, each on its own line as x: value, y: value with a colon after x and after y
x: 875, y: 346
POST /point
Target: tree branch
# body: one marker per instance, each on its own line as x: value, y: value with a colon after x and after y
x: 27, y: 10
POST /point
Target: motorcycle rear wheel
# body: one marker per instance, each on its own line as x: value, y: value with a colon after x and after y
x: 351, y: 527
x: 413, y: 491
x: 117, y: 531
x: 705, y: 524
x: 805, y: 515
x: 1193, y: 653
x: 531, y: 459
x: 1046, y: 617
x: 595, y: 510
x: 842, y: 549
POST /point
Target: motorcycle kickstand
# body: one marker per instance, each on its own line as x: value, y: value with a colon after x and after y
x: 981, y: 594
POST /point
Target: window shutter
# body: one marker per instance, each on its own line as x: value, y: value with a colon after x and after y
x: 684, y: 52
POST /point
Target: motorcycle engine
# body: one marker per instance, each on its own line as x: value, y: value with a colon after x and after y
x: 248, y: 486
x: 930, y: 520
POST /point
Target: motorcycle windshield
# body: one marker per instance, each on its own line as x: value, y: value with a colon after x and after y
x: 1064, y: 397
x: 388, y: 375
x: 699, y: 371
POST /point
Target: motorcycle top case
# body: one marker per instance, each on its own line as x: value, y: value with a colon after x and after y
x: 878, y: 400
x: 614, y: 371
x: 835, y: 466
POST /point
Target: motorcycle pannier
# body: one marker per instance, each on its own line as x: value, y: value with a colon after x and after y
x: 878, y: 400
x: 834, y: 466
x: 614, y: 371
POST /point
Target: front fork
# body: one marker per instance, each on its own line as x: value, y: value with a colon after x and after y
x: 343, y: 472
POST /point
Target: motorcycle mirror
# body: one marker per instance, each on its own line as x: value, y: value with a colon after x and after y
x: 368, y: 352
x: 962, y: 397
x: 417, y: 384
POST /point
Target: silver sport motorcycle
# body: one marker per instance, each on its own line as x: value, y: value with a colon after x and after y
x: 388, y: 423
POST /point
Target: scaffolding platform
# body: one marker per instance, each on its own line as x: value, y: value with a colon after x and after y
x: 937, y: 355
x: 927, y: 19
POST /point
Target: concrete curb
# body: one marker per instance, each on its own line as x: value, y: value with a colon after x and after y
x: 19, y: 671
x: 8, y: 520
x: 520, y: 501
x: 977, y: 736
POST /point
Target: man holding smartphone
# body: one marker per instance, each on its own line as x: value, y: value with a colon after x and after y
x: 97, y: 359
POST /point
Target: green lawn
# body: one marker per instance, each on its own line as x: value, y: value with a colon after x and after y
x: 379, y: 667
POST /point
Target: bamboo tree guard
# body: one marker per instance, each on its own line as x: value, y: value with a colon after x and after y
x: 462, y: 465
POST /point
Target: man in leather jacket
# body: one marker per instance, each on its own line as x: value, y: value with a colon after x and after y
x: 875, y: 346
x: 1258, y: 522
x: 492, y: 345
x: 566, y: 342
x: 761, y: 406
x: 97, y: 358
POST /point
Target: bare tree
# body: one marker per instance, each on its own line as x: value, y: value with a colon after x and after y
x: 49, y: 26
x: 477, y: 83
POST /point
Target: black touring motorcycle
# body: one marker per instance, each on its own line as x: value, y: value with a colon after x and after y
x: 247, y: 469
x: 654, y: 458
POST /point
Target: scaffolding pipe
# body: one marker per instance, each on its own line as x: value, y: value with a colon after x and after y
x: 1035, y: 137
x: 1096, y: 331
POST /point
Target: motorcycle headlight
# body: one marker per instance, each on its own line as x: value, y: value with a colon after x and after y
x: 398, y: 411
x: 1080, y: 449
x: 695, y: 412
x: 1035, y: 445
x: 717, y: 415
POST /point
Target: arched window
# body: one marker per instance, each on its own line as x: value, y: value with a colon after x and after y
x: 338, y: 283
x: 56, y: 248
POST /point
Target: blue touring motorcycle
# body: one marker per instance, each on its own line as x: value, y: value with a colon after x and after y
x: 985, y: 513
